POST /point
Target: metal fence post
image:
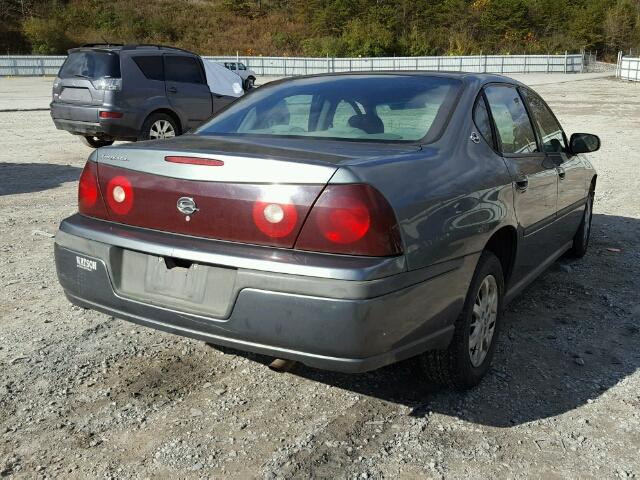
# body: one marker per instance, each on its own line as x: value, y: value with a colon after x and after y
x: 566, y: 58
x: 524, y: 68
x: 547, y: 63
x: 502, y: 64
x: 460, y: 63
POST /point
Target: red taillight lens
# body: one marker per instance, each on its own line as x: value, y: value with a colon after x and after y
x: 104, y: 114
x: 120, y: 195
x: 275, y: 220
x: 351, y: 219
x: 89, y: 198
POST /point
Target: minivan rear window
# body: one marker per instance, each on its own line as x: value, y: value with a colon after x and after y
x: 91, y: 64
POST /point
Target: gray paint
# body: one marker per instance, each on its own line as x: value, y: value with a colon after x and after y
x: 449, y: 198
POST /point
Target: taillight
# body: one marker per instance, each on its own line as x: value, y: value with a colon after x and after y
x: 120, y: 195
x: 89, y: 198
x: 105, y: 114
x: 351, y: 219
x: 275, y: 220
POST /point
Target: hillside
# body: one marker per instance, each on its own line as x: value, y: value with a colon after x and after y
x: 325, y: 27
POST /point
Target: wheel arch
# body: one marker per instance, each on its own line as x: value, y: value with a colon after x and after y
x: 166, y: 111
x: 503, y: 243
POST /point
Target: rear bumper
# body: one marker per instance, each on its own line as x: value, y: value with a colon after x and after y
x: 329, y: 323
x: 82, y: 120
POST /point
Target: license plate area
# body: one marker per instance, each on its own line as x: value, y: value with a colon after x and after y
x: 174, y: 283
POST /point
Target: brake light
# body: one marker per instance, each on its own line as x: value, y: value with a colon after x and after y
x: 209, y: 162
x: 351, y: 219
x: 89, y: 198
x: 105, y: 114
x: 120, y: 195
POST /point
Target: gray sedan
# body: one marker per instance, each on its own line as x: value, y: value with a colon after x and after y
x: 344, y: 221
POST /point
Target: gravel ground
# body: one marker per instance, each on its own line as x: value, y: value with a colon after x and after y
x: 83, y: 395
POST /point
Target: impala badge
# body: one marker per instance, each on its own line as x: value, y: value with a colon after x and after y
x: 187, y: 206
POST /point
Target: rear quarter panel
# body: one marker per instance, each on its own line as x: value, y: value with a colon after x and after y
x: 450, y: 197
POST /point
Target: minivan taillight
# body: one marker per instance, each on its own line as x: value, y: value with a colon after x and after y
x: 352, y: 219
x: 107, y: 83
x: 89, y: 198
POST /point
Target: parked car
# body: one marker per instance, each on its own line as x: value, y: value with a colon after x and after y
x: 344, y: 221
x: 248, y: 76
x: 134, y: 92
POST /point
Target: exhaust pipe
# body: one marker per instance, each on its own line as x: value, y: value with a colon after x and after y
x: 281, y: 365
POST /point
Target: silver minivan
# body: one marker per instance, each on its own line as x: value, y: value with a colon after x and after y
x: 105, y: 93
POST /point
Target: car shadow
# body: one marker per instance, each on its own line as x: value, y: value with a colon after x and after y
x: 34, y: 177
x: 568, y: 338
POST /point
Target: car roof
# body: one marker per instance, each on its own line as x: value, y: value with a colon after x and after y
x: 467, y: 77
x: 118, y: 47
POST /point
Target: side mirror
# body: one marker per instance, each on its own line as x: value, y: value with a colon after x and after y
x: 584, y: 143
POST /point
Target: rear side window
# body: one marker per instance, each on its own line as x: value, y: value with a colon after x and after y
x: 482, y: 120
x: 515, y: 133
x: 182, y: 69
x: 151, y: 67
x: 91, y: 64
x: 550, y: 129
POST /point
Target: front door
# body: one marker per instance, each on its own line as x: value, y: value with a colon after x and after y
x: 187, y: 88
x: 535, y: 179
x: 572, y: 190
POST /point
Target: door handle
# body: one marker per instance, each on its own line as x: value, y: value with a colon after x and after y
x: 561, y: 173
x: 172, y: 90
x: 522, y: 182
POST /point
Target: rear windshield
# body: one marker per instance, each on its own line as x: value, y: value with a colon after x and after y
x: 91, y: 64
x: 353, y: 107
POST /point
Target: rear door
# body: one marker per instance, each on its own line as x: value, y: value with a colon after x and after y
x: 187, y: 88
x: 535, y: 179
x: 572, y: 188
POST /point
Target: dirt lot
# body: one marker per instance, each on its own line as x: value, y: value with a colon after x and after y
x: 83, y: 395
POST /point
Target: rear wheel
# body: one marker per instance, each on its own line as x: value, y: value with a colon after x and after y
x: 468, y: 357
x: 581, y: 238
x: 95, y: 142
x: 249, y: 83
x: 159, y: 125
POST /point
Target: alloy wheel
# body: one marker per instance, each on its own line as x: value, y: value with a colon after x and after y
x: 483, y: 321
x: 162, y: 129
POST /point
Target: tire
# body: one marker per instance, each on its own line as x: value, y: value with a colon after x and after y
x: 159, y: 126
x: 581, y: 238
x: 460, y: 366
x: 249, y: 83
x: 95, y: 142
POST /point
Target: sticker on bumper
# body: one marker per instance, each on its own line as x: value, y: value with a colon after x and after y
x: 86, y: 264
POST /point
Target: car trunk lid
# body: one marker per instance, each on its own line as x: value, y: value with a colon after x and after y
x: 211, y: 192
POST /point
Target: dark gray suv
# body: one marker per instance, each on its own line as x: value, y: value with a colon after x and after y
x: 131, y: 92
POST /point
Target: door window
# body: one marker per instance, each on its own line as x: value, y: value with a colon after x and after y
x: 514, y: 130
x: 550, y: 129
x: 482, y: 120
x: 151, y: 67
x: 182, y: 69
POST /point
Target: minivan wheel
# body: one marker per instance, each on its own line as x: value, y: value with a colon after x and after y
x: 159, y: 125
x: 468, y: 357
x: 95, y: 142
x: 581, y: 238
x: 249, y: 83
